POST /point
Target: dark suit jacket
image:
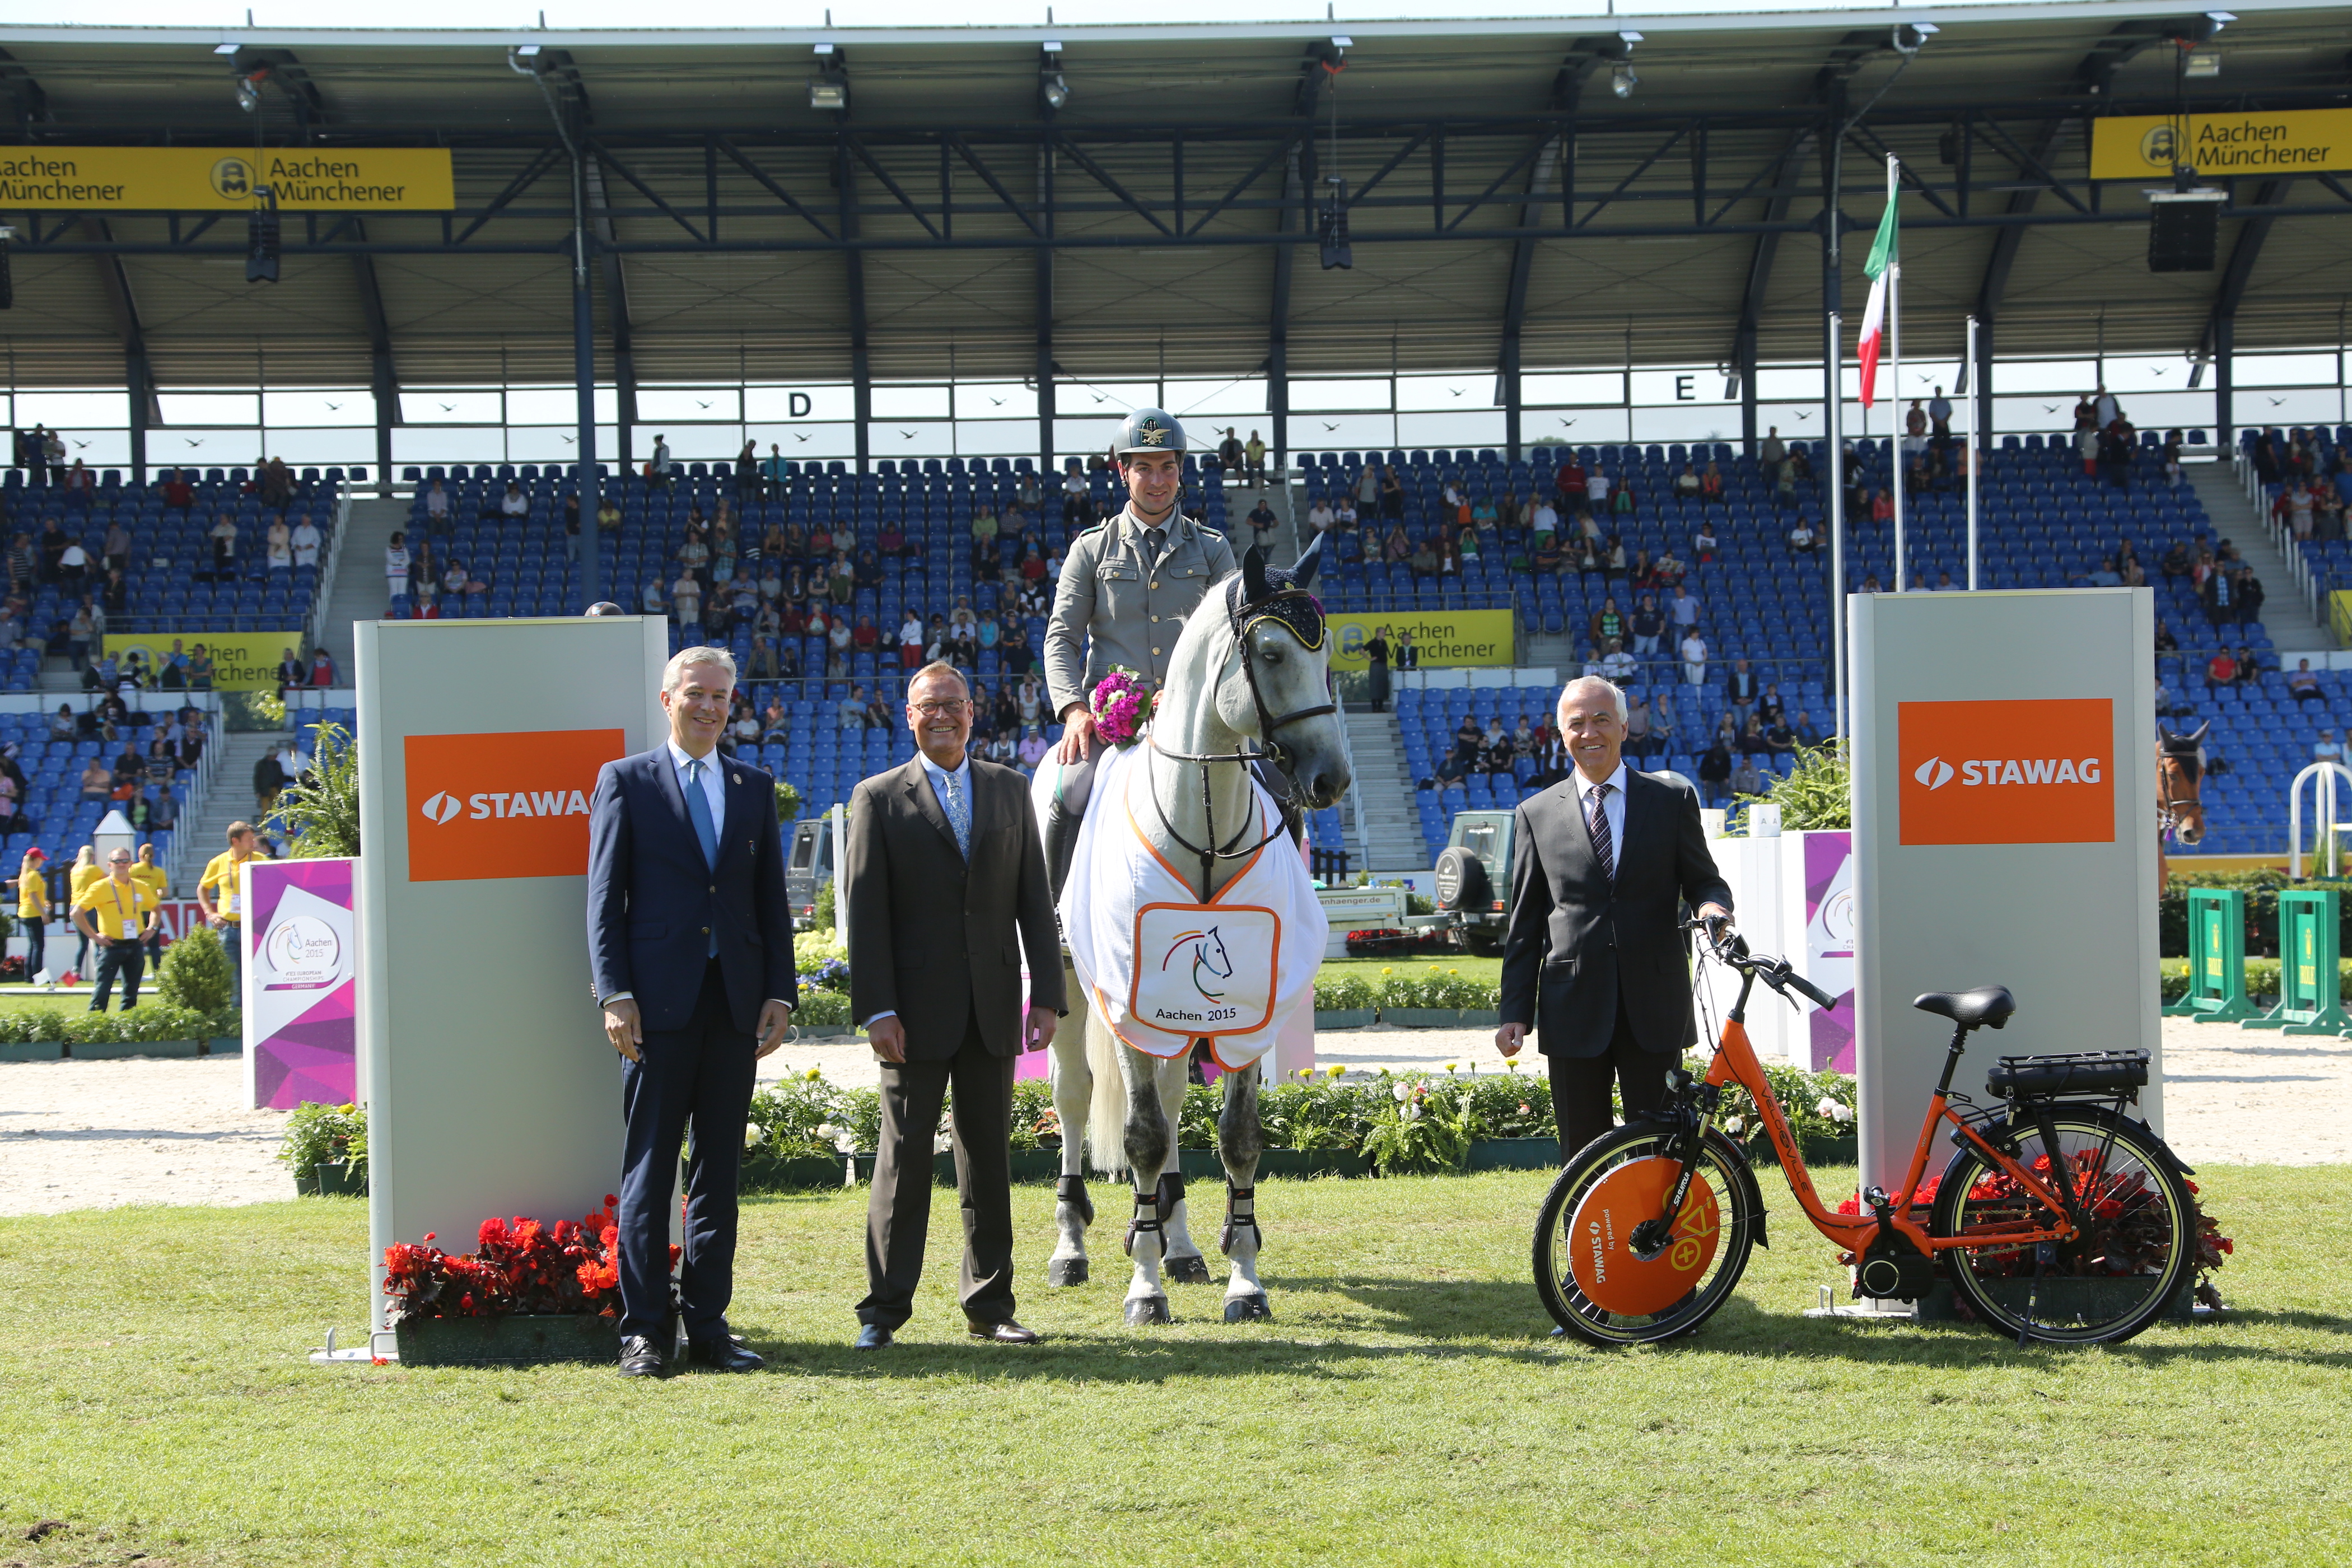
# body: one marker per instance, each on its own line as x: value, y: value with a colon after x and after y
x: 653, y: 901
x: 1575, y: 942
x: 933, y: 939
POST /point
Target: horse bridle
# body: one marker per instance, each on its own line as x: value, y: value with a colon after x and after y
x: 2168, y: 812
x: 1299, y: 611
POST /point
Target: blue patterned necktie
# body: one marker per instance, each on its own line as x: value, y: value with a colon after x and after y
x: 698, y: 811
x: 959, y: 815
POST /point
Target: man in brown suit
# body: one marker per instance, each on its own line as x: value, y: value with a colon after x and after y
x: 944, y: 866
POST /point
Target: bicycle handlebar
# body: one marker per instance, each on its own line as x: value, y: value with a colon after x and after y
x: 1775, y: 972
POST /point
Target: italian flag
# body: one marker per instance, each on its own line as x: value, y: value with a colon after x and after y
x: 1874, y: 319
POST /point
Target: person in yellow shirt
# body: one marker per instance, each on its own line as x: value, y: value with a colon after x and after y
x: 33, y: 911
x: 86, y: 870
x: 116, y: 914
x: 152, y: 876
x: 218, y: 895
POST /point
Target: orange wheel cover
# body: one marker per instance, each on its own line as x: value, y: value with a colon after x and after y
x: 1599, y: 1238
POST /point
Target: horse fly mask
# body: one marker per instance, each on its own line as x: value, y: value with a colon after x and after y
x: 1256, y: 593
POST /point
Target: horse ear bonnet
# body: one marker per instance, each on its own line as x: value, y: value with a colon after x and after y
x: 1259, y: 592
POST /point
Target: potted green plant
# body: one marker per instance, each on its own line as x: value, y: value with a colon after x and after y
x: 1344, y: 1001
x: 326, y: 1147
x: 1427, y: 998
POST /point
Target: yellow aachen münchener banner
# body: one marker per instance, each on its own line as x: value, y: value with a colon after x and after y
x: 1443, y: 636
x: 2287, y: 141
x: 199, y: 179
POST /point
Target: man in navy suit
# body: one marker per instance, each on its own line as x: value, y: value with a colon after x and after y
x: 690, y: 950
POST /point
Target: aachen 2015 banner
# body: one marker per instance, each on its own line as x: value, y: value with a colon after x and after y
x: 199, y: 179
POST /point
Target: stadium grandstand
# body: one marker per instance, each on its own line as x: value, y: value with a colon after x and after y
x: 810, y: 340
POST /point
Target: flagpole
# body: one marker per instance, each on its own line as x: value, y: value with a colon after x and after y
x: 1835, y: 469
x: 1973, y: 456
x: 1898, y: 426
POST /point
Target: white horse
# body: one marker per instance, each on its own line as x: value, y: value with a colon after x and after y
x: 1272, y: 695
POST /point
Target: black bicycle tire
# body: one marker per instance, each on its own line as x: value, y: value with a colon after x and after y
x: 1738, y: 1246
x: 2091, y: 1123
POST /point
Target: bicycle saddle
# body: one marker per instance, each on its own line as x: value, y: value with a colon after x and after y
x: 1986, y: 1005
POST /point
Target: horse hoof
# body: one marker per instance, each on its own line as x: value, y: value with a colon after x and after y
x: 1192, y: 1271
x: 1247, y: 1309
x: 1066, y: 1271
x: 1145, y: 1309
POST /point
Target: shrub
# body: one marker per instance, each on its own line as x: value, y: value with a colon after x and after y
x: 822, y: 1010
x: 44, y: 1022
x: 1427, y: 986
x: 322, y: 814
x: 820, y: 908
x: 788, y: 802
x: 1818, y: 795
x: 195, y: 974
x: 1344, y: 991
x: 1036, y: 1123
x: 1419, y: 1125
x: 325, y: 1135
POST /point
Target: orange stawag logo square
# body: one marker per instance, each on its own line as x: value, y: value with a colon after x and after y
x: 482, y: 807
x: 2007, y: 773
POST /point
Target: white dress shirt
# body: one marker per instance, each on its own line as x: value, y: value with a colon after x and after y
x: 1612, y: 807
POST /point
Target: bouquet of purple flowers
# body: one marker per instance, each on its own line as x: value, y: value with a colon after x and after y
x: 1120, y: 706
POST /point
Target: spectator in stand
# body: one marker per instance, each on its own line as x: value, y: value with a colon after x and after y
x: 1747, y: 777
x: 1939, y: 416
x: 1649, y: 624
x: 1771, y: 453
x: 1882, y: 505
x: 178, y: 493
x: 2086, y: 448
x: 2220, y: 670
x: 1802, y: 541
x: 1715, y: 773
x: 395, y: 566
x: 2327, y: 749
x: 1739, y: 689
x: 1392, y: 493
x: 305, y: 541
x: 1608, y: 623
x: 1710, y: 484
x: 1230, y: 456
x: 1253, y: 461
x: 2303, y: 685
x: 686, y: 601
x: 1693, y: 649
x: 1261, y: 516
x: 1703, y: 543
x: 223, y: 538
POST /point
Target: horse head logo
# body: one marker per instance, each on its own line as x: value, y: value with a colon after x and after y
x: 1209, y: 957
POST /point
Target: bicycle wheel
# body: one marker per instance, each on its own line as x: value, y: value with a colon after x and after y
x: 2103, y: 1285
x: 1597, y: 1283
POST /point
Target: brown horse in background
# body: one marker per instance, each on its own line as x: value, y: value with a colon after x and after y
x: 2180, y: 779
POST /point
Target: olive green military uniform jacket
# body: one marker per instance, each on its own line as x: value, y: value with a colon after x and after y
x: 1115, y: 606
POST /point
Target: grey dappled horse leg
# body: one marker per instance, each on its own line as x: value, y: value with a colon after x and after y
x: 1185, y: 1264
x: 1241, y: 1139
x: 1151, y: 1137
x: 1073, y: 1210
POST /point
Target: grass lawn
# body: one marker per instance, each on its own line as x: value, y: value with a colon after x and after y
x: 1489, y: 970
x: 1404, y: 1407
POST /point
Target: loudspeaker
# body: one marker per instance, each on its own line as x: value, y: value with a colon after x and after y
x: 2183, y: 233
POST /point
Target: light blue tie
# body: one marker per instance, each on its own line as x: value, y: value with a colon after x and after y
x: 698, y: 811
x: 959, y: 815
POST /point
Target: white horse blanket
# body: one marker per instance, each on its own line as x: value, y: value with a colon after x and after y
x: 1162, y: 968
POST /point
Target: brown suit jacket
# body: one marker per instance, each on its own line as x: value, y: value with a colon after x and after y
x: 932, y: 938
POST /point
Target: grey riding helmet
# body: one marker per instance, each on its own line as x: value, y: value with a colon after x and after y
x: 1149, y: 430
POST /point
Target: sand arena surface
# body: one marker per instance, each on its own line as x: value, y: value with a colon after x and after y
x: 96, y: 1134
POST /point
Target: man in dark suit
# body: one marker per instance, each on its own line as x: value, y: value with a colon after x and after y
x: 1594, y: 957
x: 945, y: 866
x: 691, y: 953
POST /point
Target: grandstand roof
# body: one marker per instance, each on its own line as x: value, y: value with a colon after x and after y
x: 722, y: 224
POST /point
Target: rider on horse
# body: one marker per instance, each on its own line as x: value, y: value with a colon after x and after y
x: 1125, y: 588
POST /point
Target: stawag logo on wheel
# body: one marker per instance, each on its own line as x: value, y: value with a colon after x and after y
x: 496, y: 807
x: 2007, y: 773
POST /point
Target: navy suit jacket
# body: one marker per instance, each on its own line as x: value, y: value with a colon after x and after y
x: 653, y: 901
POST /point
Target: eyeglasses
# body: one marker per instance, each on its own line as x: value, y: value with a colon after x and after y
x: 941, y: 710
x: 118, y: 860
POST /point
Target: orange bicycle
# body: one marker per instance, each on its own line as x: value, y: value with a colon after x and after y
x: 2061, y: 1218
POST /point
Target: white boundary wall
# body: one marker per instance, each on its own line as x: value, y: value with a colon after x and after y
x: 491, y: 1087
x: 2069, y: 926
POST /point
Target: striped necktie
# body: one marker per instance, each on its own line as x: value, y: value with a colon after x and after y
x: 1605, y: 848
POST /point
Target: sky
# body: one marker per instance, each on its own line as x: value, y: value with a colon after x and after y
x: 633, y: 13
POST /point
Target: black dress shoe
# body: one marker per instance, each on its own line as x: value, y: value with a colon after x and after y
x: 871, y: 1337
x: 723, y: 1352
x: 1007, y: 1333
x: 639, y: 1358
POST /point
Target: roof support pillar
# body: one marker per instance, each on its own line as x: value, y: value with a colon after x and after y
x: 138, y: 374
x: 616, y: 313
x: 383, y: 380
x: 1299, y: 184
x: 1045, y: 315
x: 2222, y: 326
x: 861, y: 368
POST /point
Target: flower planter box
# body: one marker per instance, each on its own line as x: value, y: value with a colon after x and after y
x: 1344, y: 1018
x: 222, y: 1046
x: 1818, y: 1151
x: 1443, y: 1017
x: 804, y: 1172
x: 942, y: 1170
x: 1513, y: 1155
x: 832, y: 1032
x: 124, y: 1050
x: 1304, y: 1162
x: 1036, y: 1165
x: 523, y: 1340
x: 31, y: 1051
x: 329, y: 1182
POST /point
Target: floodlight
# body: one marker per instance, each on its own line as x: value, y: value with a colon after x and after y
x: 1630, y: 38
x: 1342, y: 41
x: 1621, y: 80
x: 2201, y: 64
x: 528, y: 51
x: 1055, y: 90
x: 1909, y: 36
x: 829, y: 88
x: 248, y: 97
x: 225, y: 49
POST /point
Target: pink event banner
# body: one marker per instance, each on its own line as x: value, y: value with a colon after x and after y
x: 301, y: 968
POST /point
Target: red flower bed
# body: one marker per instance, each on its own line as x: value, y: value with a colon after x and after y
x: 570, y: 1268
